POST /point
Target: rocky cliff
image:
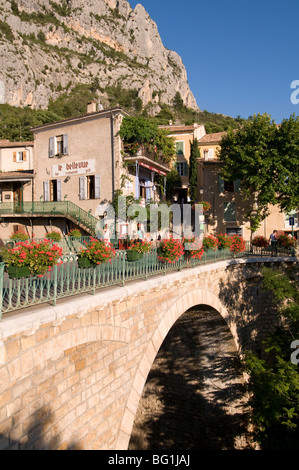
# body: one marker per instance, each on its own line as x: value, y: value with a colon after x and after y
x: 47, y: 47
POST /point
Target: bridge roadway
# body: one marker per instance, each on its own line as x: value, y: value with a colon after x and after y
x: 71, y: 375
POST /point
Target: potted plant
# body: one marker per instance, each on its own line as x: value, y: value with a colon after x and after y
x: 224, y: 241
x: 137, y: 249
x: 20, y: 235
x: 75, y: 233
x: 210, y: 242
x: 237, y: 244
x: 96, y: 252
x: 54, y: 235
x: 170, y: 250
x: 260, y: 241
x: 193, y: 248
x: 31, y: 258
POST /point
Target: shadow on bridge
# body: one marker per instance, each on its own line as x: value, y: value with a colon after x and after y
x: 195, y: 397
x: 251, y: 307
x: 36, y: 436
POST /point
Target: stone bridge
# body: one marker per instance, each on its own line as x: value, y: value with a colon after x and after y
x: 71, y: 375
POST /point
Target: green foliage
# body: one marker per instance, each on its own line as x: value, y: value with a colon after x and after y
x: 173, y: 182
x: 5, y: 30
x: 146, y: 132
x: 264, y: 157
x: 274, y: 379
x: 119, y: 96
x: 73, y: 103
x: 61, y: 8
x: 15, y: 122
x: 194, y: 154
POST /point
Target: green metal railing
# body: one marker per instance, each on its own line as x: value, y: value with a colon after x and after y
x: 68, y: 279
x: 64, y: 208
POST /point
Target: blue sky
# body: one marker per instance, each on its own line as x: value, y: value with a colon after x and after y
x: 241, y: 56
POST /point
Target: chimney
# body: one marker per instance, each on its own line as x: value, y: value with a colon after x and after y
x: 91, y: 107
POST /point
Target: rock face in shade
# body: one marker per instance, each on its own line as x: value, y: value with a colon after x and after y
x: 47, y: 47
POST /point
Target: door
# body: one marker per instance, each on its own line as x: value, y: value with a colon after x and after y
x: 18, y: 197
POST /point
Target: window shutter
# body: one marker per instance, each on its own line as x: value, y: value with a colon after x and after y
x: 147, y: 190
x: 65, y: 144
x: 82, y: 188
x: 220, y: 184
x: 237, y: 185
x: 46, y: 191
x: 97, y: 186
x: 15, y: 156
x: 51, y: 147
x: 24, y: 157
x: 229, y: 212
x: 58, y: 190
x: 185, y: 169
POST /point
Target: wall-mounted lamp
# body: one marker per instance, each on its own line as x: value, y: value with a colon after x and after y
x: 67, y: 179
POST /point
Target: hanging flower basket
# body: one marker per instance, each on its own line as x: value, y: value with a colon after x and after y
x: 192, y: 248
x: 224, y: 241
x: 134, y: 255
x: 16, y: 272
x: 95, y: 252
x: 37, y: 257
x: 170, y: 250
x: 137, y: 249
x: 84, y: 262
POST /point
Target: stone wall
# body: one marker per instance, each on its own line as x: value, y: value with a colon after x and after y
x: 71, y: 376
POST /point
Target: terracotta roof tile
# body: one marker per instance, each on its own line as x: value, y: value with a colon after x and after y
x: 212, y: 138
x: 8, y: 144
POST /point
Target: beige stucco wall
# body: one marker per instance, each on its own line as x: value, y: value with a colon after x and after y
x: 89, y: 140
x: 6, y: 159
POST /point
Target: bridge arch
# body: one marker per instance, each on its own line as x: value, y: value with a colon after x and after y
x: 179, y: 307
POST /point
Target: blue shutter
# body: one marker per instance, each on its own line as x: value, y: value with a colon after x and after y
x: 65, y: 144
x: 97, y: 186
x: 220, y: 184
x: 82, y: 188
x: 46, y: 191
x: 185, y: 169
x: 58, y: 190
x: 237, y: 185
x: 51, y: 147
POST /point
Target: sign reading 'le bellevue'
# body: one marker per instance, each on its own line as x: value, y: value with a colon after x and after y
x: 73, y: 168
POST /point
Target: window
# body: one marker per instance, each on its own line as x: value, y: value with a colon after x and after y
x: 208, y: 154
x: 19, y: 157
x: 229, y: 211
x: 89, y: 187
x: 234, y: 231
x: 179, y: 147
x: 52, y: 190
x: 228, y: 186
x: 182, y: 168
x: 58, y: 145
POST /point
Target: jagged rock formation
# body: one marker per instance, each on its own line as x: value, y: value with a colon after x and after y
x: 49, y: 46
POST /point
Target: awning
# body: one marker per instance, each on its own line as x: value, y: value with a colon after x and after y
x: 16, y: 176
x: 149, y: 164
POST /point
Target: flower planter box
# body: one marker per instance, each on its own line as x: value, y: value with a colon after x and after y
x: 85, y: 263
x: 134, y: 256
x: 16, y: 272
